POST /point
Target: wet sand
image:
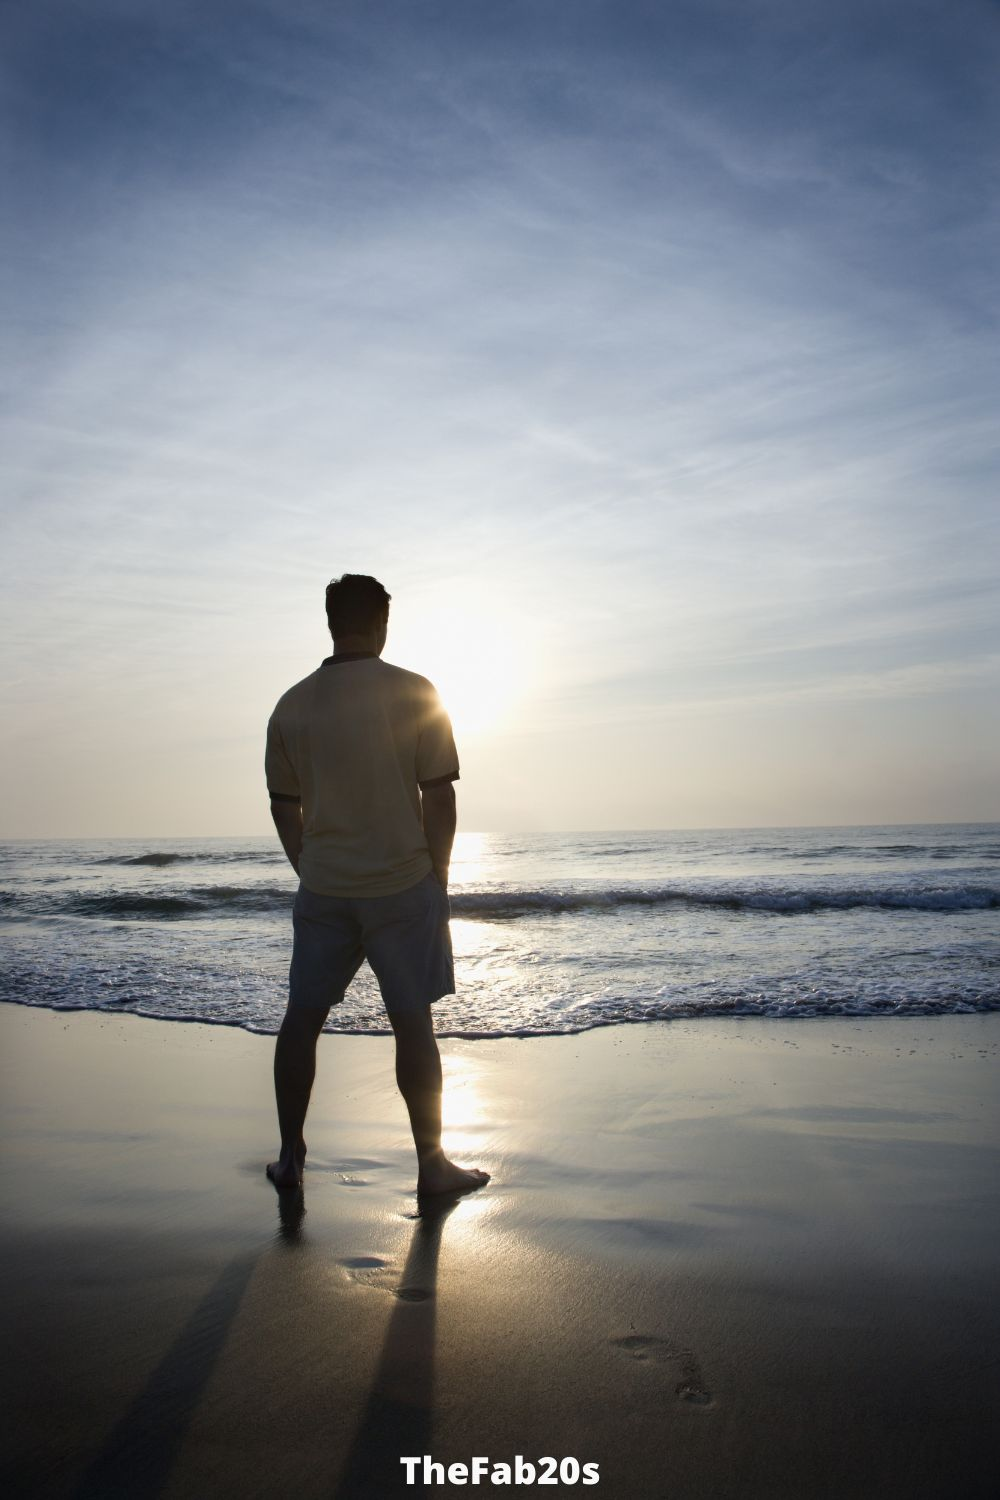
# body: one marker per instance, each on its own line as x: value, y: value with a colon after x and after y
x: 738, y: 1259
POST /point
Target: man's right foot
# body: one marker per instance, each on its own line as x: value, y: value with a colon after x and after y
x: 439, y: 1175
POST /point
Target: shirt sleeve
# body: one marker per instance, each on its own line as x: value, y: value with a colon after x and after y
x: 282, y: 778
x: 437, y: 758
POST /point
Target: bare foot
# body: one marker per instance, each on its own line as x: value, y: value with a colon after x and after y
x: 286, y: 1172
x: 439, y: 1175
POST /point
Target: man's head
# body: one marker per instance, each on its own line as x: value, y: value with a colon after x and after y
x: 357, y: 607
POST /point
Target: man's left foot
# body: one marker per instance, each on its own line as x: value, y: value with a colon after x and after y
x: 286, y: 1172
x: 439, y: 1175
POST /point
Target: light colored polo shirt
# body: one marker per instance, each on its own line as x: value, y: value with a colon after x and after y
x: 354, y: 742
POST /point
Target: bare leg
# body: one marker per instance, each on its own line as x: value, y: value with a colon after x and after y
x: 294, y: 1070
x: 418, y: 1073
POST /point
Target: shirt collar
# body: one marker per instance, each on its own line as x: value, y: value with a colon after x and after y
x: 339, y: 656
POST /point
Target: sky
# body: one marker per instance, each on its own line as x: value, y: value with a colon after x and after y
x: 646, y: 352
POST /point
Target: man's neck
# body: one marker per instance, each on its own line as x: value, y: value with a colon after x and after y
x: 355, y: 645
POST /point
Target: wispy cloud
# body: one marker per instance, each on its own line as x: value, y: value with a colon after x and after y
x: 668, y: 331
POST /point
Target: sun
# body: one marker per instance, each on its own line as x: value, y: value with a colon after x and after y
x: 477, y: 680
x: 477, y: 665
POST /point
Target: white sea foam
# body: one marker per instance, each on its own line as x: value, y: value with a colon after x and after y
x: 552, y: 932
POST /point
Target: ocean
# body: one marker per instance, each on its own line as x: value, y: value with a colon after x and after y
x: 552, y: 932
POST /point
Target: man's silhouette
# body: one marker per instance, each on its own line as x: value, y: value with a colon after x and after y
x: 361, y: 766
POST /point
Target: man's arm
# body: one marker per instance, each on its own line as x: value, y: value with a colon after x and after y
x: 440, y: 821
x: 288, y: 821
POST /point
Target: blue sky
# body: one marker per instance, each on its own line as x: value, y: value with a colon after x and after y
x: 646, y: 352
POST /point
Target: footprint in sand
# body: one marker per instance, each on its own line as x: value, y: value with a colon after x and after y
x: 690, y: 1386
x: 370, y: 1270
x: 373, y: 1271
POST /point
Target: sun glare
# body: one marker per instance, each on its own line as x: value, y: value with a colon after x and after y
x: 463, y: 1108
x: 469, y: 858
x: 474, y: 661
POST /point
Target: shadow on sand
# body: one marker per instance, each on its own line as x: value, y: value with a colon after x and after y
x: 139, y: 1453
x: 140, y: 1450
x: 398, y: 1415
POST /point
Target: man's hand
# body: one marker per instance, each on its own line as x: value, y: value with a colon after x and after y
x: 288, y: 821
x: 440, y: 821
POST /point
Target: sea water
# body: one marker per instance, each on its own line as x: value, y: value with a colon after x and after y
x: 552, y: 932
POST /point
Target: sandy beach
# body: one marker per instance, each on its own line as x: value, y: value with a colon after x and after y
x: 747, y: 1258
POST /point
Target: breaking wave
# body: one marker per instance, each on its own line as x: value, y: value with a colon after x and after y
x: 160, y: 859
x: 512, y: 904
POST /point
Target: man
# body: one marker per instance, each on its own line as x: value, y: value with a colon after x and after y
x: 361, y: 766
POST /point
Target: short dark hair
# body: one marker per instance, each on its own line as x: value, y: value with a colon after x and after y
x: 355, y: 604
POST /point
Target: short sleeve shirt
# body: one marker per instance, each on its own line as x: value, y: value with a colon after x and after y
x: 354, y: 742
